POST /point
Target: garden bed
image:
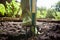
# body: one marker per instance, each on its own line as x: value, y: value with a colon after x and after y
x: 11, y: 29
x: 48, y: 31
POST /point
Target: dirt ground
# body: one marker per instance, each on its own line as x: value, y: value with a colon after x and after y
x: 15, y: 31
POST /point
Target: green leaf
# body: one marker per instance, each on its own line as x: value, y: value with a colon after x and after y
x: 2, y: 9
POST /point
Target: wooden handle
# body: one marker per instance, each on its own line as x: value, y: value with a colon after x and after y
x: 33, y: 6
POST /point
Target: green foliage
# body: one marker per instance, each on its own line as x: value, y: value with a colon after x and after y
x: 26, y: 18
x: 57, y: 15
x: 38, y: 14
x: 8, y: 9
x: 41, y: 13
x: 49, y: 13
x: 57, y: 7
x: 12, y: 8
x: 2, y: 9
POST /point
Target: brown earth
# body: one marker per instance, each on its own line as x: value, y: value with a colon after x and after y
x: 15, y: 31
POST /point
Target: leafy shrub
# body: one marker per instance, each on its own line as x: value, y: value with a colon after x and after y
x: 49, y: 13
x: 57, y: 15
x: 12, y: 8
x: 41, y: 13
x: 2, y: 9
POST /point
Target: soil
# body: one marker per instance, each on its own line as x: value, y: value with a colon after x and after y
x: 15, y: 31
